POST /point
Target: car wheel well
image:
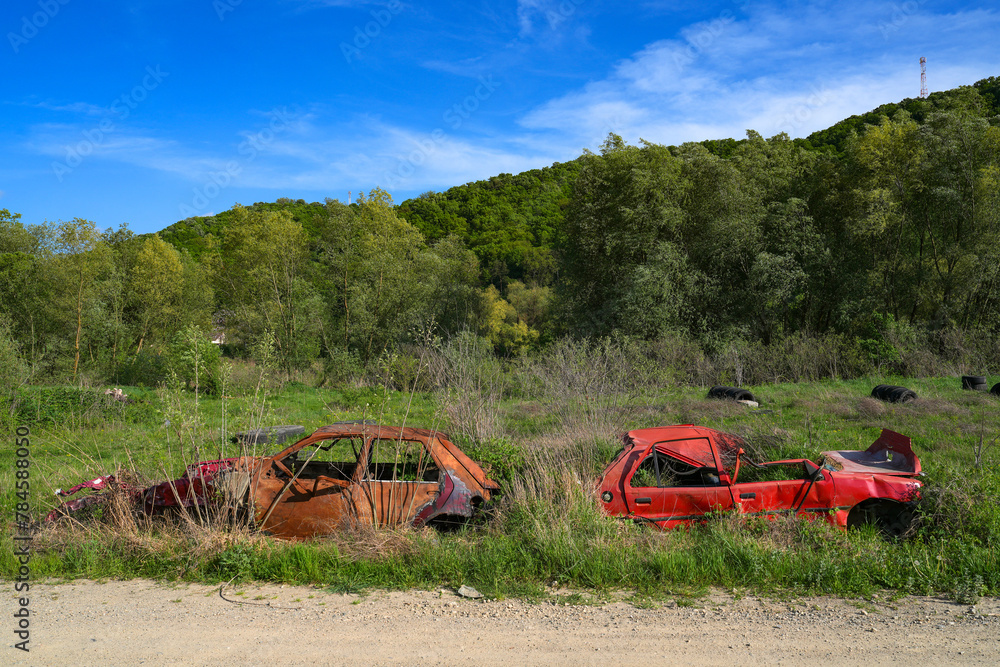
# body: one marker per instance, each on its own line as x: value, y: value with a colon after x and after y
x: 893, y: 518
x: 450, y: 522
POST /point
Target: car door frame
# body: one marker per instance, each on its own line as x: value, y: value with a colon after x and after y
x: 669, y: 506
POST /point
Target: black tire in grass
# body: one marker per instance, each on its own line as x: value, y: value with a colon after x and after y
x: 996, y: 389
x: 974, y: 382
x: 730, y: 393
x: 271, y: 435
x: 893, y: 394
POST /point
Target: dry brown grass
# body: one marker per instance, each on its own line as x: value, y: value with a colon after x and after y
x: 192, y: 540
x: 695, y: 411
x: 941, y: 407
x: 129, y: 534
x: 869, y: 409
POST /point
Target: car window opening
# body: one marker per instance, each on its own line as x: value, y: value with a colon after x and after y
x: 773, y: 472
x: 402, y: 461
x: 662, y: 471
x: 326, y: 458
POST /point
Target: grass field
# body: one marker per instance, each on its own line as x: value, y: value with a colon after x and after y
x: 544, y: 445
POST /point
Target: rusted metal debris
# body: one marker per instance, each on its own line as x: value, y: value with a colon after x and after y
x: 341, y: 475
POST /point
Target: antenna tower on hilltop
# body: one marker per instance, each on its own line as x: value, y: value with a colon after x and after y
x: 923, y: 77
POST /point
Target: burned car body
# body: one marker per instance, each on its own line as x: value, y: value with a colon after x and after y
x: 675, y: 475
x: 340, y: 475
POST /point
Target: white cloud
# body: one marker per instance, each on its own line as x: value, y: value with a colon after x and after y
x: 526, y: 13
x: 73, y: 107
x: 301, y: 153
x: 550, y: 15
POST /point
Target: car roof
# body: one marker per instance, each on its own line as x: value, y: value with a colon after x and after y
x: 685, y: 439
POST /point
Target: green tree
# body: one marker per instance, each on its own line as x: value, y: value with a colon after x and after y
x: 195, y: 360
x: 508, y: 334
x: 389, y: 290
x: 626, y: 201
x: 14, y: 370
x: 923, y: 217
x: 382, y: 282
x: 82, y: 260
x: 261, y: 270
x: 157, y: 283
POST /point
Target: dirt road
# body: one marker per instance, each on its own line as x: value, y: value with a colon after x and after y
x: 142, y: 622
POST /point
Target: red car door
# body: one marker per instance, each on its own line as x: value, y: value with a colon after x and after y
x: 783, y: 487
x: 671, y: 489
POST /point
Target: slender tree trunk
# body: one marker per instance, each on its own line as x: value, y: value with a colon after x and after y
x: 79, y: 324
x: 347, y: 315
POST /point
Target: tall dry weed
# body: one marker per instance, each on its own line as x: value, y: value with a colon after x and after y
x: 472, y: 383
x: 593, y: 390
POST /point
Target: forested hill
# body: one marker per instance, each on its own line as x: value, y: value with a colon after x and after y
x: 986, y: 104
x: 198, y: 233
x: 510, y: 222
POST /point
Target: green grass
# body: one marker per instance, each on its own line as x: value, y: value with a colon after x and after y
x: 548, y: 531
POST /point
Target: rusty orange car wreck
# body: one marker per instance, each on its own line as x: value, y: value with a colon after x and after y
x: 341, y: 475
x: 675, y: 475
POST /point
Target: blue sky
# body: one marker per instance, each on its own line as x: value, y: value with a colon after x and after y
x: 147, y: 111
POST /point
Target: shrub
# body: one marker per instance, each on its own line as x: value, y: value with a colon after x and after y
x: 67, y: 405
x: 145, y: 369
x: 195, y: 360
x: 340, y: 367
x: 501, y: 458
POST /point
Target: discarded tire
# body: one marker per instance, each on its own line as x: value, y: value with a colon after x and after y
x: 892, y: 394
x: 272, y: 435
x: 974, y: 382
x: 996, y: 389
x: 730, y: 393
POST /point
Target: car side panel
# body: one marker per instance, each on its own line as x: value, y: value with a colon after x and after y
x: 300, y: 508
x: 673, y: 506
x: 853, y: 489
x: 383, y: 502
x: 785, y: 497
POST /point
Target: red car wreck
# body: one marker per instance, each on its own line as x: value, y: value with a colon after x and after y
x: 343, y: 474
x: 673, y: 475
